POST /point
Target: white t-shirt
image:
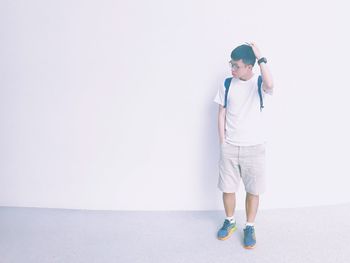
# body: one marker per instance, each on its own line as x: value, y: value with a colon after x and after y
x: 244, y: 125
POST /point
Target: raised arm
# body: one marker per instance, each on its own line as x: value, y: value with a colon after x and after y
x: 265, y: 72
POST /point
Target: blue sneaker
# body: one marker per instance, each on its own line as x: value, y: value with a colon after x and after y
x: 249, y: 237
x: 226, y: 230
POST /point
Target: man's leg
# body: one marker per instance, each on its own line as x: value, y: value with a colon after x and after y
x: 229, y: 178
x: 229, y: 203
x: 251, y: 207
x: 229, y: 225
x: 253, y: 175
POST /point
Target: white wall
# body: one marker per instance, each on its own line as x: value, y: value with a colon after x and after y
x: 108, y: 104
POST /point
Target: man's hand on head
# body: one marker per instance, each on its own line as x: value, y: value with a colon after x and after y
x: 255, y: 48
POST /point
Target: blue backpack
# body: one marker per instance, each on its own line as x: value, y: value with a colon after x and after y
x: 227, y: 87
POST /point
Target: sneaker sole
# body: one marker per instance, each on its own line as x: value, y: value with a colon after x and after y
x: 249, y: 247
x: 229, y: 234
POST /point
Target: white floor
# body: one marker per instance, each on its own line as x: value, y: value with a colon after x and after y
x: 317, y: 234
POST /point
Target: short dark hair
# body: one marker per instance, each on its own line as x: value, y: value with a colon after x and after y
x: 245, y: 53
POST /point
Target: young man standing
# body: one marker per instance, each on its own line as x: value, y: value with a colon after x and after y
x: 242, y: 139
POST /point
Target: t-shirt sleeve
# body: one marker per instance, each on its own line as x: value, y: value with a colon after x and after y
x: 220, y: 96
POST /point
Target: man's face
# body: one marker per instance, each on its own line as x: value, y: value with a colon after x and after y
x: 239, y: 69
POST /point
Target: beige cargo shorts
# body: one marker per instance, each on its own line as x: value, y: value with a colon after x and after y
x: 246, y: 162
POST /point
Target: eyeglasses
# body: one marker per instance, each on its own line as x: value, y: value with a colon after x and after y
x: 233, y: 65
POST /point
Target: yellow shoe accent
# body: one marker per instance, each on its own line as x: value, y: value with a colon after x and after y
x: 229, y: 234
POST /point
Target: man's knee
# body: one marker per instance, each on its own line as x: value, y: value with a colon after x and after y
x: 252, y: 195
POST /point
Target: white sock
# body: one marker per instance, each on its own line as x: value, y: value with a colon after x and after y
x: 249, y: 224
x: 231, y: 219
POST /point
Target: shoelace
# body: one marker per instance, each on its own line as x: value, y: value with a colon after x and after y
x: 249, y: 229
x: 226, y: 224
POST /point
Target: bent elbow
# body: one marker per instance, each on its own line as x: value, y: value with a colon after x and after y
x: 269, y: 89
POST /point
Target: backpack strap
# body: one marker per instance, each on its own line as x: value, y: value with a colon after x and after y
x: 227, y: 87
x: 260, y: 93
